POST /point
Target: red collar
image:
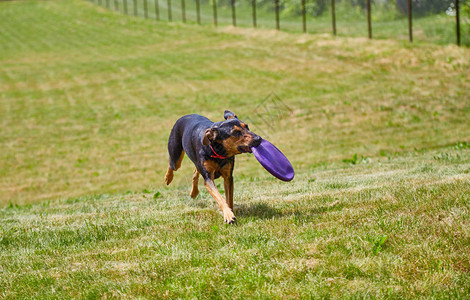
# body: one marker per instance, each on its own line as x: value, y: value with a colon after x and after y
x: 216, y: 154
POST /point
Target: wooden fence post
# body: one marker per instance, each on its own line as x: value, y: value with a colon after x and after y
x: 253, y: 12
x: 169, y: 11
x: 146, y: 12
x: 369, y: 24
x: 333, y: 16
x: 214, y: 10
x: 276, y: 7
x: 183, y: 11
x: 410, y: 22
x: 198, y: 12
x: 234, y: 16
x: 304, y: 18
x: 157, y: 11
x: 457, y: 19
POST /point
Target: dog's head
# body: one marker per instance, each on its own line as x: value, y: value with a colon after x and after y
x: 233, y: 134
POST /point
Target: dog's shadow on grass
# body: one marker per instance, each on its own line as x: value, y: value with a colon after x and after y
x: 257, y: 210
x: 265, y: 211
x: 261, y: 210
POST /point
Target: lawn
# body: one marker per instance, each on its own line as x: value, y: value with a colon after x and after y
x: 378, y: 133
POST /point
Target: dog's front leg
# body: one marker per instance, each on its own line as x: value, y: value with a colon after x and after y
x: 229, y: 217
x: 228, y: 185
x: 195, y: 190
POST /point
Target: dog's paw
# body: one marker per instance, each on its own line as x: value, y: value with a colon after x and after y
x: 168, y: 176
x: 194, y: 193
x: 229, y: 217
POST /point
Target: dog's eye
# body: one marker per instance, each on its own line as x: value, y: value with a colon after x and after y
x: 247, y: 128
x: 237, y: 133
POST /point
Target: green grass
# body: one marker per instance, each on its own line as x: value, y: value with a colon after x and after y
x: 394, y: 227
x: 378, y: 132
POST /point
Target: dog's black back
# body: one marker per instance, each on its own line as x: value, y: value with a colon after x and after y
x: 187, y: 134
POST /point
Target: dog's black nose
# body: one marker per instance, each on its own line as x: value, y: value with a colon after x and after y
x: 256, y: 140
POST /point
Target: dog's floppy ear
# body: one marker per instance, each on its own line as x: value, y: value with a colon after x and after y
x: 209, y: 136
x: 229, y: 115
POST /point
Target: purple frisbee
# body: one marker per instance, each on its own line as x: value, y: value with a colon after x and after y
x: 273, y: 160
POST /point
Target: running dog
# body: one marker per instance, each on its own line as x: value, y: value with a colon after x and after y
x: 212, y: 148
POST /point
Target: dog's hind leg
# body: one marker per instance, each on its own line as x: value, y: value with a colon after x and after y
x: 195, y: 190
x: 168, y: 176
x: 175, y: 149
x: 173, y: 166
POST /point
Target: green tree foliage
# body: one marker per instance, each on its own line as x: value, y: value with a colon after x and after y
x: 424, y: 7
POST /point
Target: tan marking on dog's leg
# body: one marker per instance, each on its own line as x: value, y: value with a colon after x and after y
x: 226, y: 173
x: 178, y: 163
x: 168, y: 176
x: 229, y: 217
x: 169, y: 173
x: 228, y: 185
x: 195, y: 190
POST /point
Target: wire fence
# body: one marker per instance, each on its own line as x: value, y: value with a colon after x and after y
x: 437, y: 21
